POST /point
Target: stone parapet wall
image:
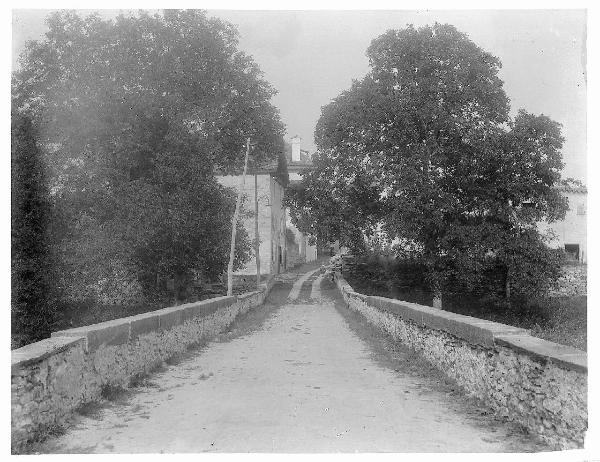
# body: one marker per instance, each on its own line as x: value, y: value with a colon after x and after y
x: 538, y: 384
x: 53, y: 377
x: 572, y: 282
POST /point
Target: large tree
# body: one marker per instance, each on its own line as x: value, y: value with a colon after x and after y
x: 423, y: 149
x: 33, y: 288
x: 134, y: 116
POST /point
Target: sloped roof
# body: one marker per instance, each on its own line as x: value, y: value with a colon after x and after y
x: 573, y: 189
x: 304, y: 162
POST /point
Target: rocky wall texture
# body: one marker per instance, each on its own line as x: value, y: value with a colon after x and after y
x: 572, y: 282
x: 52, y: 378
x: 538, y: 384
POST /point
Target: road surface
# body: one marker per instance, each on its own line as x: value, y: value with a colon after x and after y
x: 300, y: 374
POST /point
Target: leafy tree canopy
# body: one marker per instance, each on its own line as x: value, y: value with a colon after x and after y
x: 134, y: 116
x: 423, y: 149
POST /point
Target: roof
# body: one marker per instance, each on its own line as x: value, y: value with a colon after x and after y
x: 296, y: 166
x: 573, y: 189
x: 275, y: 167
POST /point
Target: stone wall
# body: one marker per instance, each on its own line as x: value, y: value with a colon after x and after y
x: 573, y: 228
x: 572, y: 282
x: 538, y: 384
x: 53, y: 377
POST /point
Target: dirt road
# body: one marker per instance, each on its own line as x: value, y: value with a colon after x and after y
x: 299, y: 374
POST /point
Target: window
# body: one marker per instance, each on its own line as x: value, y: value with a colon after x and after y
x: 572, y: 251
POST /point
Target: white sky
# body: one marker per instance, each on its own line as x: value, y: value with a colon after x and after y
x: 311, y: 56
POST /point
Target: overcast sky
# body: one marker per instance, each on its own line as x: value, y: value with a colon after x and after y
x: 311, y: 56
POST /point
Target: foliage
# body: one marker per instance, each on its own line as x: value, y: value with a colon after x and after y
x: 423, y: 150
x: 382, y: 274
x: 33, y: 298
x: 134, y: 116
x: 559, y: 319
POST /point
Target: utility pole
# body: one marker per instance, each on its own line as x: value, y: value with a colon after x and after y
x: 234, y: 222
x: 256, y: 237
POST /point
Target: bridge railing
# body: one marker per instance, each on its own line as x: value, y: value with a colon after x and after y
x: 539, y: 384
x: 50, y: 379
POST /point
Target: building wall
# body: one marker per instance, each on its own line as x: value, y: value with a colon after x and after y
x: 573, y: 229
x: 307, y: 252
x: 294, y: 176
x: 278, y: 226
x: 311, y: 252
x: 264, y: 217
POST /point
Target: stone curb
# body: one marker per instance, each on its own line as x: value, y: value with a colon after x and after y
x: 475, y: 330
x: 122, y: 330
x: 50, y: 378
x: 35, y: 352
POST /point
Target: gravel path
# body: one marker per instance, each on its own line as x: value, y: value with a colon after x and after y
x: 294, y: 376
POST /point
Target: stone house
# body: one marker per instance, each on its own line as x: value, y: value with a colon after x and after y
x: 298, y: 160
x: 279, y: 248
x: 270, y: 181
x: 571, y: 233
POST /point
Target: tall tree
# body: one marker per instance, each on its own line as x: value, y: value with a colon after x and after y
x: 134, y: 116
x: 427, y: 139
x: 33, y: 298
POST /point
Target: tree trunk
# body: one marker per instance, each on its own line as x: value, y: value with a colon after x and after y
x: 507, y: 285
x: 180, y: 287
x: 234, y: 224
x: 256, y: 236
x: 437, y: 299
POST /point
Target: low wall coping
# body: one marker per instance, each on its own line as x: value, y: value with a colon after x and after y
x: 246, y: 295
x: 37, y: 351
x: 475, y: 330
x: 120, y: 331
x: 545, y: 350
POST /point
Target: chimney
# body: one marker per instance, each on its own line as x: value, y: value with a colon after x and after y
x: 296, y: 148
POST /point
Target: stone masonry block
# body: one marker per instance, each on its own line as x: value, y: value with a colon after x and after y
x: 248, y: 295
x: 199, y: 310
x: 206, y: 307
x: 38, y: 351
x: 143, y: 324
x: 542, y: 350
x: 115, y: 332
x: 170, y: 317
x: 474, y: 330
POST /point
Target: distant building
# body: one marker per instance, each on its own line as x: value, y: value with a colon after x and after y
x: 281, y: 244
x: 571, y: 233
x: 271, y: 181
x: 298, y: 160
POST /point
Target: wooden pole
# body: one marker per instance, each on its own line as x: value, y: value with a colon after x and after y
x: 234, y: 223
x: 256, y: 236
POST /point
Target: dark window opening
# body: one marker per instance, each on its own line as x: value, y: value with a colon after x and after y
x: 572, y: 251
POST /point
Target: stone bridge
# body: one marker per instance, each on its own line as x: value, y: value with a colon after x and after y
x: 303, y: 365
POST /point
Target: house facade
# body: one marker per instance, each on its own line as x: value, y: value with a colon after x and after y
x: 298, y: 160
x: 271, y: 218
x: 281, y: 245
x: 570, y: 234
